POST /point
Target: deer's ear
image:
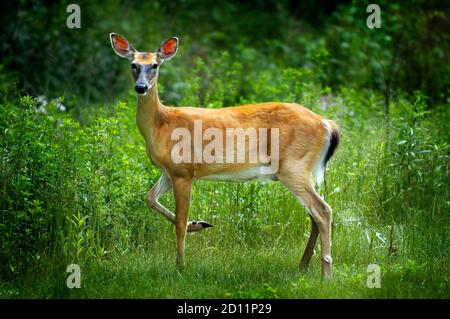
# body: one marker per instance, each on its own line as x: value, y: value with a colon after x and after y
x: 121, y: 46
x: 168, y: 48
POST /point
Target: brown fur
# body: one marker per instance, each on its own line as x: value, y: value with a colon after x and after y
x: 145, y: 57
x: 301, y: 131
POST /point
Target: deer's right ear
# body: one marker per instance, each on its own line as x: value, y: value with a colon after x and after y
x: 121, y: 46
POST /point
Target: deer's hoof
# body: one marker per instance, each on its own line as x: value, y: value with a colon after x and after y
x: 197, y: 226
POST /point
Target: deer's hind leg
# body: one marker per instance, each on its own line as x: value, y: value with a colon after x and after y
x: 301, y: 186
x: 309, y: 250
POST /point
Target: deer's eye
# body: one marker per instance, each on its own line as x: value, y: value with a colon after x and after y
x: 154, y: 66
x: 133, y: 66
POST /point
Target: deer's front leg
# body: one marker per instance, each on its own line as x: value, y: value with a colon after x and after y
x: 159, y: 189
x: 182, y: 191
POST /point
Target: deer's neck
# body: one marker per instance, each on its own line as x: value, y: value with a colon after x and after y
x: 150, y: 114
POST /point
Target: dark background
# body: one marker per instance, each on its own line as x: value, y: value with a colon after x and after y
x: 410, y: 51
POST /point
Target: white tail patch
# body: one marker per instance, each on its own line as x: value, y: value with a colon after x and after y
x: 319, y: 167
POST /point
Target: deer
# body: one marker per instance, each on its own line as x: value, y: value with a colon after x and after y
x: 305, y: 143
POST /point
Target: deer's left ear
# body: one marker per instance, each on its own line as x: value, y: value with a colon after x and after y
x: 121, y: 46
x: 168, y: 49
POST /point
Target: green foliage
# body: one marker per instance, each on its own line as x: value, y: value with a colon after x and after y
x: 68, y: 192
x: 405, y: 54
x: 409, y: 52
x: 52, y: 60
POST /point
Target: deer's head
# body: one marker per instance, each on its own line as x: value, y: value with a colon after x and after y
x: 144, y: 65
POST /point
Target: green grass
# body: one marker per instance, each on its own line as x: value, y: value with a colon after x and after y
x: 237, y: 271
x: 254, y: 250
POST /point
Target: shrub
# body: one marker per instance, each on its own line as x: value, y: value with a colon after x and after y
x: 67, y: 191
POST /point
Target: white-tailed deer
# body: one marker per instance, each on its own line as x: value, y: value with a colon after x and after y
x: 301, y: 144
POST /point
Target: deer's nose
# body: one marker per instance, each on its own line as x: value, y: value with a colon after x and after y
x: 141, y: 88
